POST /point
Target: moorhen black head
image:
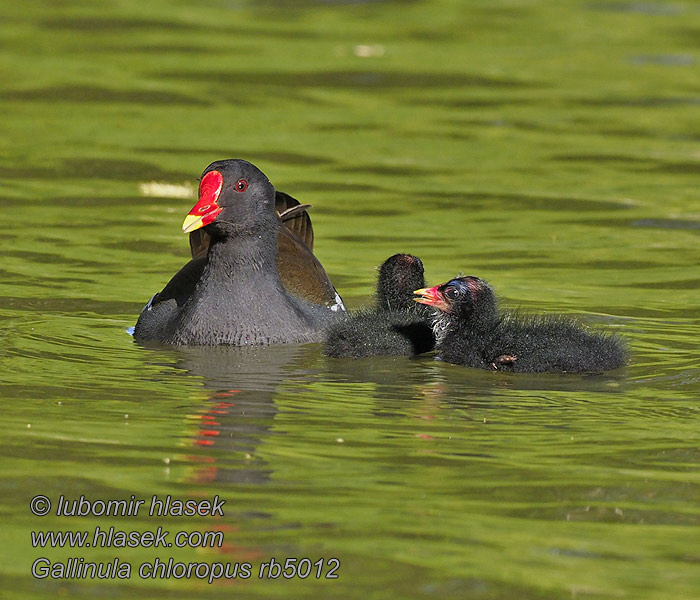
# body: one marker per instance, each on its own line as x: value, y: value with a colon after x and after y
x: 396, y: 326
x: 235, y: 199
x: 470, y: 330
x: 232, y: 292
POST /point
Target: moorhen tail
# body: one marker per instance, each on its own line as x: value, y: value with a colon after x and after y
x: 396, y: 326
x: 253, y: 278
x: 470, y: 330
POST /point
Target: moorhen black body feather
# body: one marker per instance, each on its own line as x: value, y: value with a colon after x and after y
x: 470, y: 330
x: 396, y: 326
x: 300, y: 271
x: 253, y: 278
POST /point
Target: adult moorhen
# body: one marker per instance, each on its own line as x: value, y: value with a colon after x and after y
x: 395, y: 326
x: 252, y: 279
x: 470, y: 330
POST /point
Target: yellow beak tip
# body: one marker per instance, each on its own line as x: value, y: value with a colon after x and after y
x: 191, y: 223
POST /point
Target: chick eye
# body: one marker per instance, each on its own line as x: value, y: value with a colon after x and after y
x: 241, y: 185
x: 452, y: 293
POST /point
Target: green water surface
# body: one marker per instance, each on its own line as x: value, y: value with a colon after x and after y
x: 552, y: 148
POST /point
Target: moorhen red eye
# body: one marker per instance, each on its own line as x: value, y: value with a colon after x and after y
x: 470, y: 330
x: 253, y: 278
x: 396, y: 326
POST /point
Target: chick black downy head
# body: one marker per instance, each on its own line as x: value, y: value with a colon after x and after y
x: 399, y: 275
x: 463, y: 300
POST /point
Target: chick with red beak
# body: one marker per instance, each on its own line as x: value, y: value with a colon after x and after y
x: 432, y: 297
x: 471, y: 330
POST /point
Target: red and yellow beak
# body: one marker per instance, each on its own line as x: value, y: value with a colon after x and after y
x: 207, y: 207
x: 432, y: 297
